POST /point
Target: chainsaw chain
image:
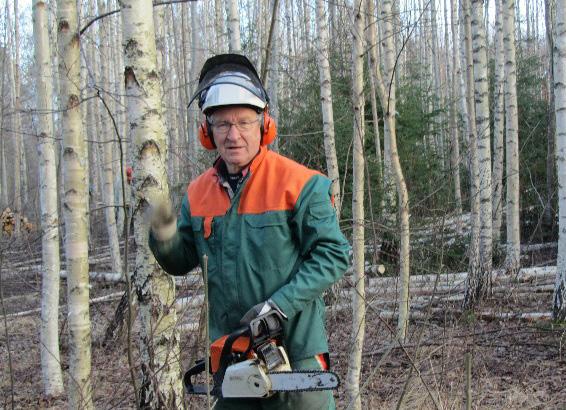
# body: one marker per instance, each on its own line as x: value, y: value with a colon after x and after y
x: 306, y: 371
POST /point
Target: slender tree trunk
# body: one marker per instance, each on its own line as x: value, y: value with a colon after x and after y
x: 474, y: 282
x: 326, y: 103
x: 548, y: 216
x: 220, y: 30
x: 358, y: 302
x: 498, y: 123
x: 559, y: 298
x: 273, y: 64
x: 49, y: 337
x: 194, y: 115
x: 233, y: 18
x: 159, y: 347
x: 376, y: 88
x: 511, y: 139
x: 456, y: 97
x: 479, y: 42
x: 109, y: 147
x: 3, y: 174
x: 17, y: 125
x: 75, y: 206
x: 402, y: 193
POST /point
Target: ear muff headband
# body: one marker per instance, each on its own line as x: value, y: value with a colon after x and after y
x: 268, y: 132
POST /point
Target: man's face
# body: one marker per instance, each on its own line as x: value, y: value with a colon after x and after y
x: 237, y: 135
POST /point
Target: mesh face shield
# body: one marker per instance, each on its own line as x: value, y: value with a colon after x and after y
x: 229, y: 79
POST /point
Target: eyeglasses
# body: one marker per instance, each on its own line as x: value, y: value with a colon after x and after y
x: 222, y: 128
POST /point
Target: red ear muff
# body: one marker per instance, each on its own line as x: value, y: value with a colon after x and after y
x: 204, y: 136
x: 269, y: 129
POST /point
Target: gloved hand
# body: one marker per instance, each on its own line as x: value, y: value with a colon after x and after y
x: 260, y: 309
x: 162, y: 221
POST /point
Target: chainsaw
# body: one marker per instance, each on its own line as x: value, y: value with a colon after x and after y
x: 252, y: 363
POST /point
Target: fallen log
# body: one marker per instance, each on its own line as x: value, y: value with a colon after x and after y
x: 106, y: 298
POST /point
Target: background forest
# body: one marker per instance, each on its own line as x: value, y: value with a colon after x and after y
x: 441, y: 123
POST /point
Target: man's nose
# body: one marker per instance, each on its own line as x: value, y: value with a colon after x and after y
x: 233, y: 133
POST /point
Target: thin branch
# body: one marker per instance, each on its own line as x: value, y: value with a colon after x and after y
x: 109, y: 13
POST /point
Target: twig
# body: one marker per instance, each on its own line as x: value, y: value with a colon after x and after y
x: 7, y: 335
x: 109, y: 13
x: 468, y: 366
x: 126, y: 236
x: 206, y: 329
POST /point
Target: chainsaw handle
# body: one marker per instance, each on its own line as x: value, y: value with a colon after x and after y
x: 198, y: 368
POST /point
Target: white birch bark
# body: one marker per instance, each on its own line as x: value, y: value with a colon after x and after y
x: 108, y: 149
x: 511, y: 139
x: 16, y: 122
x: 498, y: 123
x: 219, y: 27
x: 549, y: 214
x: 233, y: 24
x: 24, y: 176
x: 559, y: 297
x: 326, y: 104
x: 75, y: 207
x: 402, y: 193
x: 455, y: 96
x: 474, y: 288
x: 194, y: 115
x: 358, y: 297
x: 376, y: 88
x: 51, y: 374
x: 155, y: 290
x: 272, y: 81
x: 481, y: 93
x: 3, y: 176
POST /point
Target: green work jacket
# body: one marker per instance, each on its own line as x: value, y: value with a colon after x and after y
x: 275, y: 238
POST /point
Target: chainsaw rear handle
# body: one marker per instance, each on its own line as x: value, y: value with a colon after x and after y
x: 197, y: 369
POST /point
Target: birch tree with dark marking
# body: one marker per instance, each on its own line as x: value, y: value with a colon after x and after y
x: 75, y: 207
x: 155, y: 290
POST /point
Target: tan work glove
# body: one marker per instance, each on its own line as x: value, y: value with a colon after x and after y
x: 163, y: 221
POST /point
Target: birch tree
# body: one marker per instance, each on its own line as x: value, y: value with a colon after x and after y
x: 559, y: 297
x: 376, y: 87
x: 455, y: 95
x: 52, y: 376
x: 511, y: 139
x: 16, y: 122
x: 322, y: 54
x: 75, y: 207
x: 498, y: 123
x: 402, y: 193
x: 481, y: 93
x: 108, y: 149
x: 548, y: 216
x: 474, y: 289
x: 358, y: 302
x: 233, y: 18
x: 155, y: 290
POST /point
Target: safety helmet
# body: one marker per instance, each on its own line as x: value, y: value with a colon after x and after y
x: 229, y: 79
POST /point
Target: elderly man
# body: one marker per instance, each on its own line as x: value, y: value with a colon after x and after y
x: 265, y: 222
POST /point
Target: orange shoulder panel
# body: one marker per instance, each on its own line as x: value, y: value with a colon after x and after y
x: 274, y: 185
x: 206, y: 196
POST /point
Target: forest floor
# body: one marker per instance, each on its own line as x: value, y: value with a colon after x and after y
x: 514, y: 364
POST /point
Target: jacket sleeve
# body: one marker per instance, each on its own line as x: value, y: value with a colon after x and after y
x: 177, y: 255
x: 324, y: 249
